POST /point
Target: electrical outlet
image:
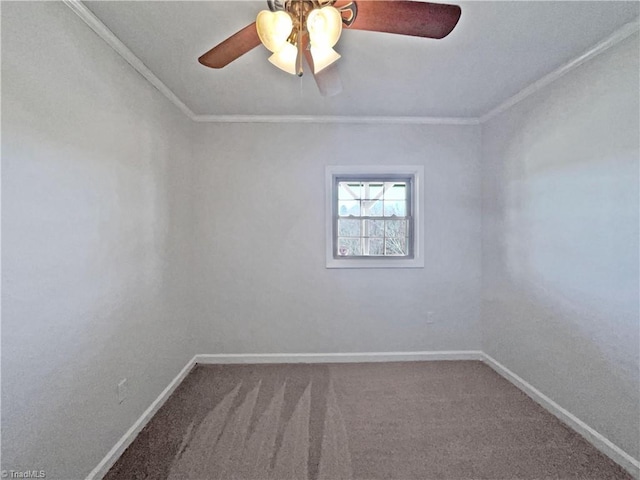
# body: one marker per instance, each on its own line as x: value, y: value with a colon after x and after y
x: 122, y: 390
x: 430, y: 318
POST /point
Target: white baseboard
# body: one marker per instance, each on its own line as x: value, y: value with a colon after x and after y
x: 598, y: 440
x: 118, y: 449
x: 338, y: 357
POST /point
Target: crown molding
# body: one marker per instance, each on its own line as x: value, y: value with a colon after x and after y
x: 366, y: 120
x: 114, y: 42
x: 618, y: 36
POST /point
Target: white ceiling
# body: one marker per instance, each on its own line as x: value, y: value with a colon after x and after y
x: 497, y: 49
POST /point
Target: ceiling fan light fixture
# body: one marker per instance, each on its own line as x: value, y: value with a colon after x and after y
x: 273, y: 29
x: 294, y: 30
x: 323, y: 57
x: 285, y: 58
x: 324, y: 26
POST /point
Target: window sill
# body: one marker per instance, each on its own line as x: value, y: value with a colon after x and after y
x: 375, y: 263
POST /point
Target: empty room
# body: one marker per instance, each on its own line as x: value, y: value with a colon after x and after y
x: 320, y: 240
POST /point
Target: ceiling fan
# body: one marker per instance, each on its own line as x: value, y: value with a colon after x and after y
x: 294, y: 30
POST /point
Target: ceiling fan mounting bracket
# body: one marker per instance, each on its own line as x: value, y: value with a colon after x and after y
x: 275, y: 5
x: 350, y: 8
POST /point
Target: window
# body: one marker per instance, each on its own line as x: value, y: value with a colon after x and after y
x: 373, y: 217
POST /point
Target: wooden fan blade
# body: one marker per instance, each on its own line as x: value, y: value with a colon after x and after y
x: 328, y: 79
x: 233, y: 47
x: 419, y: 19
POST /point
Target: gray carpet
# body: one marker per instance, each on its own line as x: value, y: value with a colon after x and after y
x: 418, y: 420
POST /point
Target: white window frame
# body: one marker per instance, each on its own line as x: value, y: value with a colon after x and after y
x: 416, y: 172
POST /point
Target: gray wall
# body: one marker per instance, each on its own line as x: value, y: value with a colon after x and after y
x: 260, y: 275
x: 134, y: 238
x: 560, y: 242
x: 95, y: 226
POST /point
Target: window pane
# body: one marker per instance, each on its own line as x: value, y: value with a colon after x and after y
x: 375, y: 228
x: 349, y: 228
x: 397, y: 191
x: 348, y: 190
x: 376, y: 246
x: 373, y: 216
x: 393, y: 207
x: 349, y: 246
x: 372, y: 208
x: 348, y: 207
x: 375, y: 190
x: 395, y: 246
x: 396, y: 228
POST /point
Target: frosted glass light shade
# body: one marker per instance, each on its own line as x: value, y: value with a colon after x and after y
x: 273, y: 29
x: 323, y: 57
x: 324, y: 26
x: 285, y: 58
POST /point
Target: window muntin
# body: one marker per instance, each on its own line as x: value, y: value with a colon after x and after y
x: 372, y: 217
